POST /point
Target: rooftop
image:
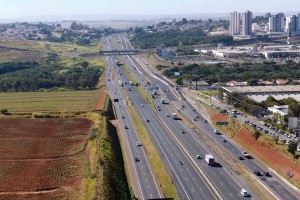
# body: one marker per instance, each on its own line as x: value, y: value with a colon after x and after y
x: 264, y: 89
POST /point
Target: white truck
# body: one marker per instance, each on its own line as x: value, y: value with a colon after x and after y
x: 174, y: 116
x: 209, y: 159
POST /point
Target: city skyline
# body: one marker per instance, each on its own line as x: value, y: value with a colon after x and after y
x: 18, y: 9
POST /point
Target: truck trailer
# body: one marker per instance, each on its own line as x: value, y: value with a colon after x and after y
x: 209, y: 159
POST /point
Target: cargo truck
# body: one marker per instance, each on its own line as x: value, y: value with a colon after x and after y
x: 209, y: 159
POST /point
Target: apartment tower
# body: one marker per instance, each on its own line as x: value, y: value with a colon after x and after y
x: 234, y: 25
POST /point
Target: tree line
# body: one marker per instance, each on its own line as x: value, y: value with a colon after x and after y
x: 172, y: 37
x: 36, y: 77
x: 241, y: 72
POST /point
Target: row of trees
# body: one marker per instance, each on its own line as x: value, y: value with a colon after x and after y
x: 173, y: 37
x: 45, y: 77
x: 241, y: 72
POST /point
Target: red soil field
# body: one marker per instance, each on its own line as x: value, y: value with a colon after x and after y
x: 266, y: 153
x: 42, y: 158
x: 101, y: 100
x: 220, y: 118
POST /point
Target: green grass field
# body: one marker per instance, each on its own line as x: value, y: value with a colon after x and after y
x: 58, y: 101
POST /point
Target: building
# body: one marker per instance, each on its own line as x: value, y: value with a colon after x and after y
x: 276, y: 24
x: 292, y: 25
x: 234, y: 24
x: 279, y: 112
x: 247, y: 23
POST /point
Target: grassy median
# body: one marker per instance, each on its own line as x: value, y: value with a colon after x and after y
x: 140, y: 89
x: 161, y: 175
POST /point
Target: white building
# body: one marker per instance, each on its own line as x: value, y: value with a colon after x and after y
x: 246, y: 23
x: 234, y: 24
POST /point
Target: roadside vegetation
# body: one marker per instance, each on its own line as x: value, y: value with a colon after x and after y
x: 249, y: 72
x: 174, y: 37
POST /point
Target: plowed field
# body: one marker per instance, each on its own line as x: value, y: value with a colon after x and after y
x: 42, y: 158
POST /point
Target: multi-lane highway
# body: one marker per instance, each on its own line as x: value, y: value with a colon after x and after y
x: 222, y: 180
x: 180, y: 145
x: 274, y: 183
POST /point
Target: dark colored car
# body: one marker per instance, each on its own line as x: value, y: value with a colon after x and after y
x: 266, y: 174
x: 257, y: 173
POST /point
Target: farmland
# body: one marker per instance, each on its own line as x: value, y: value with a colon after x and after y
x: 57, y: 101
x: 42, y: 156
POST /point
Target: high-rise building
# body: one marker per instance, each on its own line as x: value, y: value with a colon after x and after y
x: 292, y: 25
x: 234, y: 25
x: 247, y: 23
x: 276, y: 24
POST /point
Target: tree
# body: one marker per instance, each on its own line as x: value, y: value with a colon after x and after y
x: 253, y: 82
x: 85, y: 64
x: 294, y: 109
x: 292, y: 148
x: 256, y: 134
x: 267, y: 15
x: 184, y: 21
x: 179, y: 81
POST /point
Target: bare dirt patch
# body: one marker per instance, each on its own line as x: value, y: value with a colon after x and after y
x: 42, y: 158
x: 220, y: 118
x: 101, y: 100
x: 269, y: 155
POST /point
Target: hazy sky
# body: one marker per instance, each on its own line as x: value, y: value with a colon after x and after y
x: 19, y: 8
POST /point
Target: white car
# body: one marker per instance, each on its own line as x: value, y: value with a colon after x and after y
x: 198, y: 156
x: 138, y: 144
x: 244, y: 193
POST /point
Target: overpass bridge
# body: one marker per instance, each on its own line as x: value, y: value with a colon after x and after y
x: 119, y: 52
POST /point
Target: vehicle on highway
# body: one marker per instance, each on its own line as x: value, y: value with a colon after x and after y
x: 244, y: 193
x: 142, y: 105
x: 240, y: 158
x: 246, y: 154
x: 138, y: 144
x: 266, y: 174
x: 198, y: 156
x: 126, y: 127
x: 181, y: 163
x: 163, y: 101
x: 257, y: 173
x: 136, y: 159
x: 209, y: 159
x: 167, y: 115
x: 182, y: 131
x: 148, y: 120
x: 123, y: 117
x: 174, y: 116
x: 216, y: 131
x: 205, y: 121
x: 129, y: 89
